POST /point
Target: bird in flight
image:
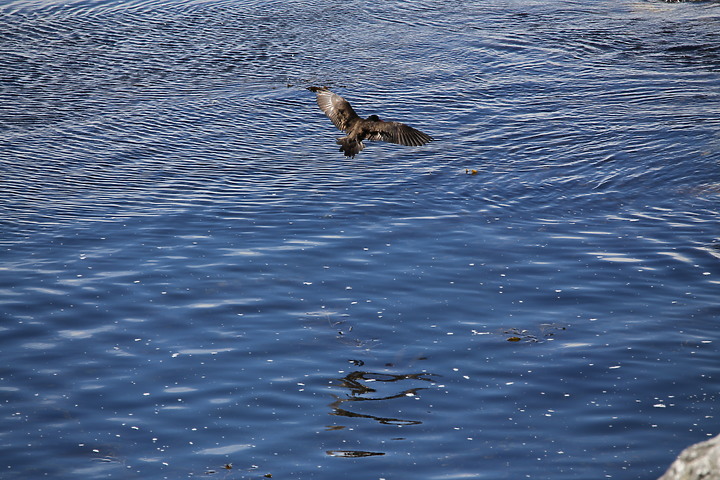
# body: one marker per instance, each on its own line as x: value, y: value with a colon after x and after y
x: 358, y: 129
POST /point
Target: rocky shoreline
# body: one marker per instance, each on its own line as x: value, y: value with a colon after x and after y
x: 700, y: 461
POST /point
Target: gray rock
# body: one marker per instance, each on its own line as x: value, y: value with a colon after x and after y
x: 697, y: 462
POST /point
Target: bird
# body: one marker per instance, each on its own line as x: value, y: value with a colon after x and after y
x: 358, y: 129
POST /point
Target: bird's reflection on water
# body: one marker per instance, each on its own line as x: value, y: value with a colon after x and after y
x: 358, y: 383
x: 352, y: 453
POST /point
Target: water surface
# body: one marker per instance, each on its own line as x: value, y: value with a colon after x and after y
x: 193, y: 277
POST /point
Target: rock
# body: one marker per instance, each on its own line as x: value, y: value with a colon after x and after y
x: 697, y: 462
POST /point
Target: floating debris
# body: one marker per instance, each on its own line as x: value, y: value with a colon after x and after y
x: 547, y: 332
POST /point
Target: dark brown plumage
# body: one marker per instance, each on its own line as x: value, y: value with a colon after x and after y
x: 358, y: 129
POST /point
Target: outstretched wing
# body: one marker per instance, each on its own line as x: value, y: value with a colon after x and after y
x: 336, y: 108
x: 396, y: 132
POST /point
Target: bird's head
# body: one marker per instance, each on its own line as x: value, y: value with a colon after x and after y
x: 374, y: 118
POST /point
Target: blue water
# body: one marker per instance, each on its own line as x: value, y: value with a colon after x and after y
x: 192, y: 277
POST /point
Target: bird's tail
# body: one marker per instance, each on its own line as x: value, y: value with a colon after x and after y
x: 350, y: 147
